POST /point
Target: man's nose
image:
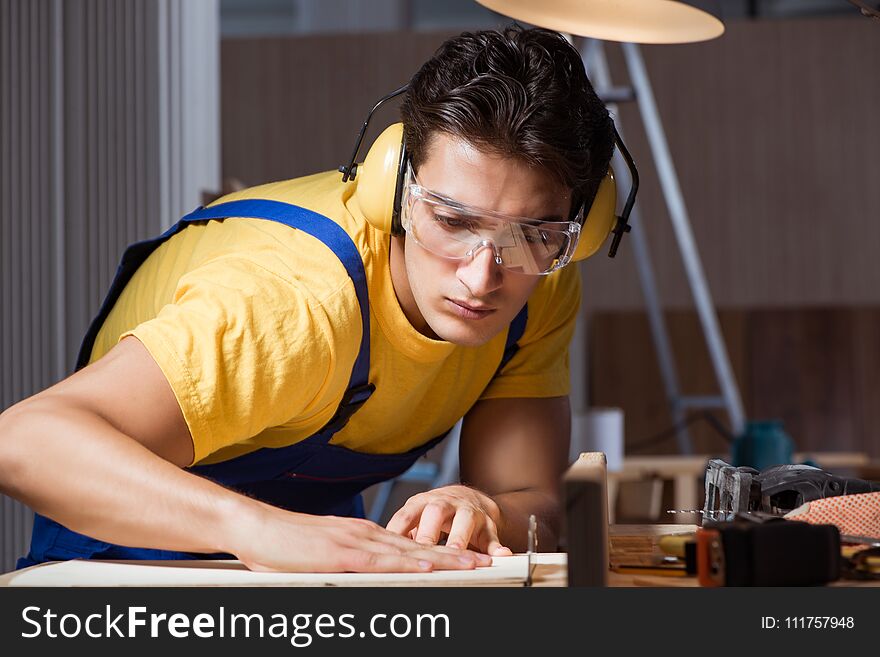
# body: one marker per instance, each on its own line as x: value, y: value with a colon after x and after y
x: 480, y: 273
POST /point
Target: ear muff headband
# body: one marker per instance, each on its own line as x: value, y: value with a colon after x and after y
x: 601, y: 220
x: 380, y: 187
x: 622, y: 224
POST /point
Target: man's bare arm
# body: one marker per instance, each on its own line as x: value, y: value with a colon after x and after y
x: 516, y: 450
x: 513, y: 452
x: 101, y: 452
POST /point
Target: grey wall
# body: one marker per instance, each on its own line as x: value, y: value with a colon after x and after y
x: 771, y: 129
x: 109, y: 130
x: 773, y: 132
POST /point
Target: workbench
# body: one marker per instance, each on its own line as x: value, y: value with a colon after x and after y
x: 629, y: 544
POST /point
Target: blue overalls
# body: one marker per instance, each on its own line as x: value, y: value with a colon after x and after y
x: 311, y: 476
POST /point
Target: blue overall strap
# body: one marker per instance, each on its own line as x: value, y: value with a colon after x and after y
x: 133, y: 258
x: 514, y: 333
x: 337, y: 240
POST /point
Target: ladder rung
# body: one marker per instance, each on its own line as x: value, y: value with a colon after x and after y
x: 420, y: 472
x: 700, y: 402
x: 617, y: 94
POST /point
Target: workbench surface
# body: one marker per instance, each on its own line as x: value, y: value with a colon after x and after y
x: 629, y: 544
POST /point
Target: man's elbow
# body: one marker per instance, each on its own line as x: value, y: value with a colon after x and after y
x: 17, y: 424
x: 11, y: 421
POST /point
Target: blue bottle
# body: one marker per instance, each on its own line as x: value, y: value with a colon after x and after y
x: 764, y: 443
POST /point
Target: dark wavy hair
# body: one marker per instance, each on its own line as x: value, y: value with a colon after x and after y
x: 521, y: 93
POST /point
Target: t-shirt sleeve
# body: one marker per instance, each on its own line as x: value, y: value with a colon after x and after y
x: 244, y: 350
x: 540, y: 366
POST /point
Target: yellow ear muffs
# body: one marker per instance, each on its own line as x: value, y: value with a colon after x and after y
x: 380, y: 185
x: 600, y: 220
x: 380, y: 180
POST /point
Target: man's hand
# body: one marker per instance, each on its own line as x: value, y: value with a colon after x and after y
x: 296, y: 542
x: 467, y: 517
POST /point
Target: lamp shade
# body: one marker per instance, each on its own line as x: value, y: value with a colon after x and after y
x: 633, y: 21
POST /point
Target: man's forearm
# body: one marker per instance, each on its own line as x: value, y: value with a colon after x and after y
x: 74, y: 467
x: 516, y: 507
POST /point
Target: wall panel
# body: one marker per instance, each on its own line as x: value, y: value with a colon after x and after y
x: 109, y: 131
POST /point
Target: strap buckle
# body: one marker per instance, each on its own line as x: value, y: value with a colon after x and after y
x: 352, y: 400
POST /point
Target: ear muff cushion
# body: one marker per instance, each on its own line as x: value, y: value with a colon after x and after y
x: 600, y: 220
x: 379, y: 180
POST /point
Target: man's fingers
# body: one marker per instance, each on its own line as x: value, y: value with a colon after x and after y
x: 488, y: 541
x: 434, y: 517
x: 497, y: 550
x: 440, y: 558
x: 449, y: 560
x: 463, y: 525
x: 404, y: 520
x: 394, y: 544
x: 362, y: 561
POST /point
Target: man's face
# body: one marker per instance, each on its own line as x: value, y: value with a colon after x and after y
x: 469, y: 301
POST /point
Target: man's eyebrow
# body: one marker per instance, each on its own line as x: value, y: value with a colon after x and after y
x: 529, y: 221
x: 554, y: 218
x: 550, y: 218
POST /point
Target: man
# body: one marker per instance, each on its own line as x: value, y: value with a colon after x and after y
x: 224, y: 401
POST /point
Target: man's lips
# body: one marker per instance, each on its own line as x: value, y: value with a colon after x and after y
x: 472, y: 306
x: 470, y: 310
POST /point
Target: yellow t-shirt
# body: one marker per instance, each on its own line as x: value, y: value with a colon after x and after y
x: 256, y: 326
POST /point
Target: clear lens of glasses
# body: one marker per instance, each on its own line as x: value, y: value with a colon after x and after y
x: 455, y: 231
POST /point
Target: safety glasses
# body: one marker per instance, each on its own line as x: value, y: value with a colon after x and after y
x: 456, y: 231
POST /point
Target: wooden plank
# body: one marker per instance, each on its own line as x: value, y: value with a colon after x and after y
x: 504, y: 571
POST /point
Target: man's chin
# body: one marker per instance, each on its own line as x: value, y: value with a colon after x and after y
x: 463, y: 333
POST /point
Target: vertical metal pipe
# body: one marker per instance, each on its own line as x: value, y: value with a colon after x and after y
x: 111, y: 184
x: 161, y: 53
x: 90, y: 256
x: 6, y: 164
x: 131, y: 154
x: 139, y: 122
x: 42, y: 246
x: 8, y: 515
x: 59, y: 264
x: 25, y: 218
x: 16, y: 186
x: 101, y: 153
x: 175, y: 135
